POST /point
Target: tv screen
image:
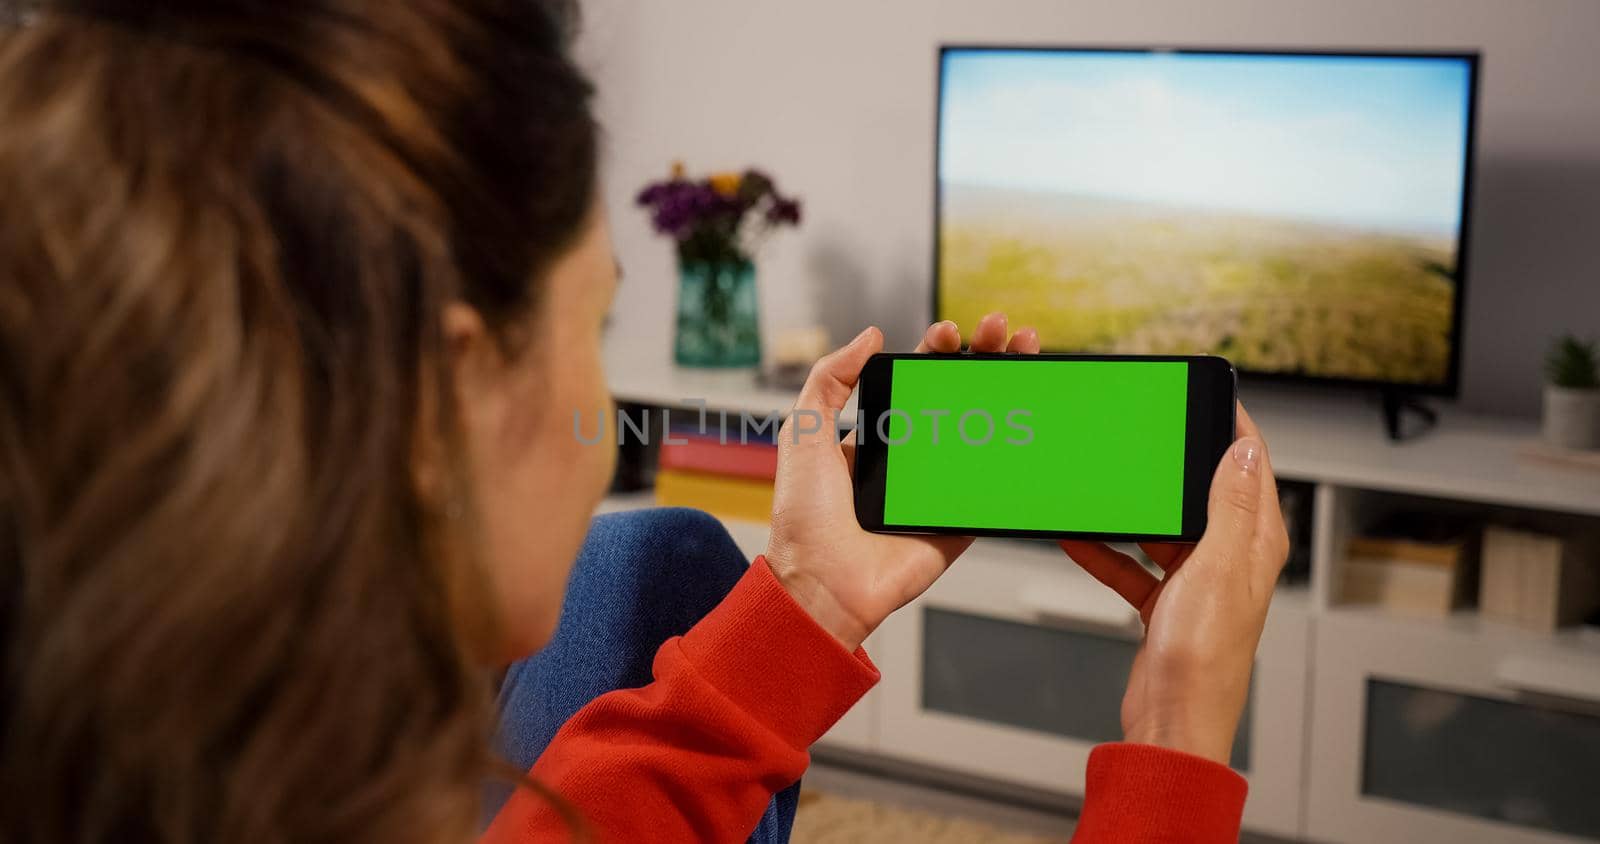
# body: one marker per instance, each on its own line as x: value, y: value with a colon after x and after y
x: 1302, y: 214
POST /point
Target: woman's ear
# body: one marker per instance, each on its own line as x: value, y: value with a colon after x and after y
x: 472, y: 362
x: 469, y: 350
x: 478, y: 368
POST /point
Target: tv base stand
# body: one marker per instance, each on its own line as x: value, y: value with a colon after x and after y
x: 1395, y: 406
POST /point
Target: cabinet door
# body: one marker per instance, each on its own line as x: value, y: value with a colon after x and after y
x: 1013, y: 668
x: 1461, y: 732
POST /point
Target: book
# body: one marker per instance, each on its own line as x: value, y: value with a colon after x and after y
x: 1440, y: 554
x: 749, y: 499
x: 1417, y: 564
x: 1411, y: 588
x: 1538, y: 581
x: 1499, y: 589
x: 1540, y: 593
x: 707, y: 454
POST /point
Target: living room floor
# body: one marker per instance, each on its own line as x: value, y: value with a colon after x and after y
x: 845, y: 804
x: 845, y: 799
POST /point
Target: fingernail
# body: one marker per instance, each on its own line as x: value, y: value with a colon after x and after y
x: 949, y: 322
x: 1247, y: 453
x: 862, y: 335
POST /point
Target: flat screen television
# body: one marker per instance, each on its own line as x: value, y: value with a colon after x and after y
x: 1302, y: 213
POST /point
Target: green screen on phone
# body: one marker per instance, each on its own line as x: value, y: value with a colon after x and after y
x: 1093, y: 446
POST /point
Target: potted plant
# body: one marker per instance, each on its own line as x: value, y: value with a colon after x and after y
x: 718, y: 223
x: 1572, y: 394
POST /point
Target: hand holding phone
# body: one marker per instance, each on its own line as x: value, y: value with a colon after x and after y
x: 1204, y: 617
x: 849, y: 580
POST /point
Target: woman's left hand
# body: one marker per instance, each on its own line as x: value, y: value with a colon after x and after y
x: 850, y: 580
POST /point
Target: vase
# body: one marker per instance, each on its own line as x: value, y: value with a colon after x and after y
x: 717, y: 316
x: 1572, y: 417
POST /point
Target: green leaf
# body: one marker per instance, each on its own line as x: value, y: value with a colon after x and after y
x: 1573, y: 364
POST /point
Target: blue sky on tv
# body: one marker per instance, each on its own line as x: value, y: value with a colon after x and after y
x: 1371, y: 142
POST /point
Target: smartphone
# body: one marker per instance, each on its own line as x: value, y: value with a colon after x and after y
x: 1109, y: 447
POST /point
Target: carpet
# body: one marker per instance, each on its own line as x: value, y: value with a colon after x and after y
x: 825, y: 818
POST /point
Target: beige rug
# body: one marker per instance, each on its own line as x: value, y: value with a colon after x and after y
x: 825, y: 818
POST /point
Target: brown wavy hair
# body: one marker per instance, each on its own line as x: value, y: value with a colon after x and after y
x: 229, y: 610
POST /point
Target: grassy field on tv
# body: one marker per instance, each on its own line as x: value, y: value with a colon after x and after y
x: 1269, y: 294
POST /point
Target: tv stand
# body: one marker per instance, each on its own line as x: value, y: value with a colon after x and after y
x: 1395, y: 405
x: 1317, y: 657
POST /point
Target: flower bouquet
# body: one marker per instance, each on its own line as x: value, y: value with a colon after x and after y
x: 718, y: 223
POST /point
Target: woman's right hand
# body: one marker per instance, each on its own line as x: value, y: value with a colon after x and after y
x: 847, y: 579
x: 1203, y: 618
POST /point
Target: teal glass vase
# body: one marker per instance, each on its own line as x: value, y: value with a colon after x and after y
x: 718, y: 325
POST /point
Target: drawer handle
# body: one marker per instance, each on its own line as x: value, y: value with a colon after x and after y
x: 1549, y: 677
x: 1078, y: 606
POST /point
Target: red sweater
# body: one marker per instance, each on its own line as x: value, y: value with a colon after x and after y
x: 736, y: 703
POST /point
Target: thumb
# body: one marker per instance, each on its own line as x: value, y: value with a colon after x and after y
x: 834, y: 378
x: 1235, y: 501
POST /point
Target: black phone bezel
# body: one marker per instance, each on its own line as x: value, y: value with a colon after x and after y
x: 1209, y: 431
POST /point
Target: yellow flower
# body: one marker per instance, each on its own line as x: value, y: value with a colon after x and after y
x: 677, y: 171
x: 726, y: 184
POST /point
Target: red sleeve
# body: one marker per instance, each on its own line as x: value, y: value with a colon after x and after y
x: 697, y: 754
x: 1142, y: 793
x: 736, y: 702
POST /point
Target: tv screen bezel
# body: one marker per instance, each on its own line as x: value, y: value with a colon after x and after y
x: 1450, y: 386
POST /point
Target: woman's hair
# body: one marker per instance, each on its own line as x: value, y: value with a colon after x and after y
x: 229, y: 611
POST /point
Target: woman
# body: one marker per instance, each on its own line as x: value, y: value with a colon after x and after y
x: 297, y: 302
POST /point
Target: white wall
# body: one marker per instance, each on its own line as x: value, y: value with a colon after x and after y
x: 835, y: 97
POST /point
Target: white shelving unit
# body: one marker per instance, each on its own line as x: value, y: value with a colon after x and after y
x: 1324, y: 671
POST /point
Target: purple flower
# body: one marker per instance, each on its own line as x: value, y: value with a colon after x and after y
x: 695, y: 211
x: 651, y: 194
x: 784, y: 211
x: 678, y: 206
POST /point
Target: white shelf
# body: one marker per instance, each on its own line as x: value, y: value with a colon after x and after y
x: 733, y: 390
x: 1466, y: 458
x: 1576, y: 643
x: 1320, y: 439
